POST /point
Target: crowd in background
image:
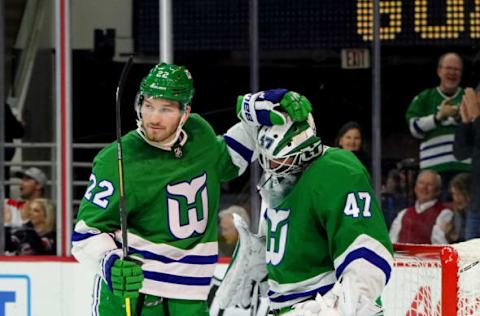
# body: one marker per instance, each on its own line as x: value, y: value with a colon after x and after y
x: 432, y: 198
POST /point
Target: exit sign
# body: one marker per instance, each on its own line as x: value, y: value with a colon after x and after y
x: 355, y: 58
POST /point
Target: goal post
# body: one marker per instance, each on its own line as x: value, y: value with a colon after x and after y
x: 434, y: 280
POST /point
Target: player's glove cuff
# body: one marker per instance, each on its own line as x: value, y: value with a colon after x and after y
x: 261, y: 108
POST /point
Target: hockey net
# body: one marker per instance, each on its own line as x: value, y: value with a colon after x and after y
x: 429, y: 280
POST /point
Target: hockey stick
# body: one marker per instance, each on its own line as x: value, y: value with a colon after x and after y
x: 123, y: 212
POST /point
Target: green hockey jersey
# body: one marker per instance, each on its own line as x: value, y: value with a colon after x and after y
x: 171, y: 208
x: 328, y: 225
x: 436, y: 147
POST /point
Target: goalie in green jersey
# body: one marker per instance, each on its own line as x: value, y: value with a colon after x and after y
x: 173, y: 166
x: 327, y: 249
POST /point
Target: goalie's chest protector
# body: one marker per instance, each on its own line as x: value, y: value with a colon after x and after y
x: 313, y: 225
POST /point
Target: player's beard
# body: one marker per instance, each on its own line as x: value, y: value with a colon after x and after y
x: 274, y: 189
x: 158, y: 136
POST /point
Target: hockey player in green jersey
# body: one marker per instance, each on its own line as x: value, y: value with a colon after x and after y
x: 327, y: 246
x: 173, y: 166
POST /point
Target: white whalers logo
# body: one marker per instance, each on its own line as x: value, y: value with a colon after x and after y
x: 197, y: 210
x: 277, y: 235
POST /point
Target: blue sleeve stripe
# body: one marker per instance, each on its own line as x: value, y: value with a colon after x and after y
x: 436, y: 145
x: 263, y: 117
x: 108, y: 268
x: 176, y: 279
x: 79, y: 236
x: 284, y: 298
x: 417, y: 128
x: 239, y: 148
x: 436, y: 156
x: 213, y: 259
x: 368, y: 255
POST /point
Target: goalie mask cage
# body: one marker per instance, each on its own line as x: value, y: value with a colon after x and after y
x: 434, y: 280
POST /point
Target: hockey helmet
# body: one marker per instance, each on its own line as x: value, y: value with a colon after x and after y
x: 166, y: 81
x: 288, y: 148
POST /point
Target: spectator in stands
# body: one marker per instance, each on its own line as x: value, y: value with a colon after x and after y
x: 420, y: 223
x: 228, y: 233
x: 460, y: 189
x: 408, y: 170
x: 37, y: 235
x: 350, y: 137
x: 13, y: 129
x: 431, y: 117
x: 32, y: 186
x: 393, y: 197
x: 467, y: 145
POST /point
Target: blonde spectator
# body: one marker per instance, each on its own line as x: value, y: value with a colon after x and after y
x: 37, y: 235
x: 41, y: 214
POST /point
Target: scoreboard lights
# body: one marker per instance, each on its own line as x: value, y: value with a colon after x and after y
x: 428, y: 23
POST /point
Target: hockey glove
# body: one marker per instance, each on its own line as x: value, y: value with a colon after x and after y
x: 261, y: 108
x: 123, y: 276
x: 297, y: 106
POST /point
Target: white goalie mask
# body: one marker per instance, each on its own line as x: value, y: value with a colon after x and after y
x: 289, y: 148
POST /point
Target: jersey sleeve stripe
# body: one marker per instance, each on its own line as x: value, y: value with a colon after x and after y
x: 79, y: 236
x: 239, y: 148
x: 170, y: 278
x: 192, y: 259
x: 368, y: 255
x: 283, y: 298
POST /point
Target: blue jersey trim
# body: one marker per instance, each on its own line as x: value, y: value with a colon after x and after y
x: 436, y: 145
x: 368, y: 255
x: 79, y: 236
x: 175, y: 279
x: 192, y: 259
x: 284, y: 298
x: 417, y: 128
x: 437, y: 155
x: 239, y: 148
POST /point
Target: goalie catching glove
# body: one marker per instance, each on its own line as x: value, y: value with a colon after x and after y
x: 263, y: 108
x: 246, y: 274
x: 124, y: 277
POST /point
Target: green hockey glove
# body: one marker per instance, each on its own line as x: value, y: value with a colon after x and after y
x: 297, y: 106
x: 123, y: 276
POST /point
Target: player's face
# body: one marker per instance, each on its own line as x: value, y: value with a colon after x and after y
x: 160, y: 119
x: 351, y: 140
x: 426, y: 187
x: 450, y: 73
x: 36, y: 213
x: 28, y: 187
x: 275, y: 163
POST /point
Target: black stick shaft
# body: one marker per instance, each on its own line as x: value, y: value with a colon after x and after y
x: 123, y: 212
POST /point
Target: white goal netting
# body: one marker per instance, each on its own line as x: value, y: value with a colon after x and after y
x: 432, y: 280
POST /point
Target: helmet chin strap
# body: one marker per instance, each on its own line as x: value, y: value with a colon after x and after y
x: 180, y: 135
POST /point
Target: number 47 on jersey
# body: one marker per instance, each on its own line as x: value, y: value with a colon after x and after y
x: 355, y: 199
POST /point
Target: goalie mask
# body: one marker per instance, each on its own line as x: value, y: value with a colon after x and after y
x: 288, y: 149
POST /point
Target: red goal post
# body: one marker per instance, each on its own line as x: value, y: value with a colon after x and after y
x: 434, y: 280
